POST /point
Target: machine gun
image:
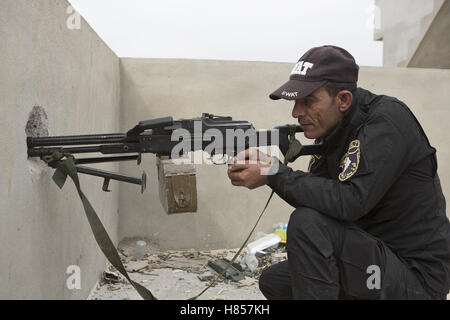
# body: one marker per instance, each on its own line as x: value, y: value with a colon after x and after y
x: 164, y: 137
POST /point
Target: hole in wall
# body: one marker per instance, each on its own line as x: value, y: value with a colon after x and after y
x: 37, y: 126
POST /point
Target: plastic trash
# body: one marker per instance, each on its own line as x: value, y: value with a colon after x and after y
x: 269, y: 240
x: 250, y: 261
x: 280, y: 225
x: 280, y: 229
x: 139, y: 251
x: 259, y: 235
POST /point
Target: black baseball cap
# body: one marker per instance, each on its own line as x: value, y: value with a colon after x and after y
x: 314, y: 69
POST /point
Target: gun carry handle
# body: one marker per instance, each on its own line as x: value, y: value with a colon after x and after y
x: 150, y: 124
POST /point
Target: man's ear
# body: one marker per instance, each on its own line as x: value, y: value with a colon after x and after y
x: 344, y: 99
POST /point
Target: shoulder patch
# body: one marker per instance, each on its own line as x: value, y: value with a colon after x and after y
x: 350, y: 161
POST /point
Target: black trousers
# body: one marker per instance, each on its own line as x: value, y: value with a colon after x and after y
x: 330, y: 259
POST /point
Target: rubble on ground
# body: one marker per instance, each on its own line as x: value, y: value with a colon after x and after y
x: 184, y: 267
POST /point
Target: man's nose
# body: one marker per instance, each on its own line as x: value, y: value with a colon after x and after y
x: 299, y: 109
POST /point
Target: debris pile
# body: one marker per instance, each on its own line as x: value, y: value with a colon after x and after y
x: 203, y: 264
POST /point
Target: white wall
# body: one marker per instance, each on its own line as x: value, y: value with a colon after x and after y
x: 75, y: 78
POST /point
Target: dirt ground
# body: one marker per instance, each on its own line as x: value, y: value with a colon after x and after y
x: 180, y: 275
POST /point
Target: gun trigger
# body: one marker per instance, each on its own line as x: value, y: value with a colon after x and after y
x: 224, y: 160
x: 105, y: 185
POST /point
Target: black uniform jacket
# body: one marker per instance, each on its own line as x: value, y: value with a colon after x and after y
x: 379, y: 171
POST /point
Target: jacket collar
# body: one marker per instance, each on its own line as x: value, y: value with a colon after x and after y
x: 353, y: 118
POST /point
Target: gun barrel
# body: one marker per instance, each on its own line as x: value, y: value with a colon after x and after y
x: 77, y: 140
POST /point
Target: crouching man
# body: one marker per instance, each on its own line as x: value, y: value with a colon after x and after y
x: 370, y: 220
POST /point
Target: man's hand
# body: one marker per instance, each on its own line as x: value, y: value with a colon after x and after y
x: 249, y: 169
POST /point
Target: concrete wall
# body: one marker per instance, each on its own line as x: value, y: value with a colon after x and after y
x: 402, y: 26
x: 74, y: 76
x: 153, y: 88
x: 434, y: 49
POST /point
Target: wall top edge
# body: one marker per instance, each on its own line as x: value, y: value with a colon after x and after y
x: 214, y: 61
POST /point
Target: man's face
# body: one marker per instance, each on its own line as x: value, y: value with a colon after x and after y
x: 317, y: 113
